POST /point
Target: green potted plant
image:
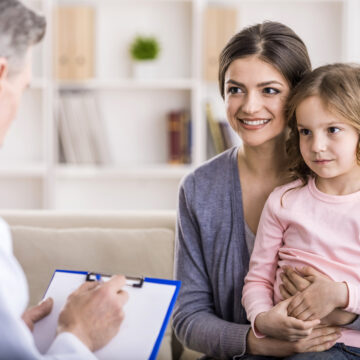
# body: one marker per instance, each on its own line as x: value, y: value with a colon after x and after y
x: 144, y: 50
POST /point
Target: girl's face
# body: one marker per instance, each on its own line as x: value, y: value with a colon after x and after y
x: 328, y: 143
x: 255, y: 94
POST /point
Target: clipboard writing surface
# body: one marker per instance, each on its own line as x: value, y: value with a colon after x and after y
x: 147, y: 314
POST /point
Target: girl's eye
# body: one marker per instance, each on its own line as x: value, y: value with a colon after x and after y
x: 270, y: 91
x: 234, y: 90
x: 333, y: 130
x: 304, y: 132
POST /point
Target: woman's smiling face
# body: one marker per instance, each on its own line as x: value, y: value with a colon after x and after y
x: 255, y: 95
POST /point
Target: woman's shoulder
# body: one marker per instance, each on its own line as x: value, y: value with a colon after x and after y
x: 215, y: 172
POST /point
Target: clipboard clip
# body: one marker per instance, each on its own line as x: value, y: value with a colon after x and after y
x: 130, y: 280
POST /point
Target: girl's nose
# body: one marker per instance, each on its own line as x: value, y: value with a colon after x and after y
x: 318, y: 143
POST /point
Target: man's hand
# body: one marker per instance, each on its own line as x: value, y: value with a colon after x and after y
x: 37, y: 312
x: 320, y: 339
x: 94, y: 312
x: 277, y: 324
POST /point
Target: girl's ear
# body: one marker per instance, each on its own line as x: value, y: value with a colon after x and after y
x: 4, y: 67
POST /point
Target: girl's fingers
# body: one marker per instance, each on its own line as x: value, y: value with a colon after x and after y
x: 288, y: 285
x: 284, y: 293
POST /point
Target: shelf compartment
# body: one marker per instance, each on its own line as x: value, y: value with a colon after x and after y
x: 123, y: 84
x: 116, y: 194
x: 98, y: 172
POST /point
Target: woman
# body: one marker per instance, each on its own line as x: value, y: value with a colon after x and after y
x: 220, y: 202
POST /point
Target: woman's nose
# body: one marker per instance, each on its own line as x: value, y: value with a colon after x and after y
x: 251, y: 104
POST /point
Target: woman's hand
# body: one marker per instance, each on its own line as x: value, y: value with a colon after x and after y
x: 295, y: 282
x: 278, y: 324
x: 321, y: 339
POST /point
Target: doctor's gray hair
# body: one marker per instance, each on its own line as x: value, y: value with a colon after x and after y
x: 20, y: 28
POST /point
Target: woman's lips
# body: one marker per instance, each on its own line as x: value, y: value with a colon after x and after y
x: 254, y: 122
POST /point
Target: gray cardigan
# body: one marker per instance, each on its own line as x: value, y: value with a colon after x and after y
x: 212, y: 259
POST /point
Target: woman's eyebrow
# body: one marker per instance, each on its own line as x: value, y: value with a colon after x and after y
x: 270, y: 82
x: 230, y: 81
x: 265, y: 83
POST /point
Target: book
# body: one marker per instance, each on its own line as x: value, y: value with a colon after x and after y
x: 215, y: 130
x: 66, y: 147
x: 74, y: 42
x: 230, y: 138
x: 82, y: 133
x: 179, y: 137
x: 220, y: 24
x: 97, y: 130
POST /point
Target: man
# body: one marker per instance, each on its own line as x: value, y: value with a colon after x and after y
x: 93, y: 313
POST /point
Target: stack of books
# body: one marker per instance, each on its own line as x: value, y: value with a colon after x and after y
x: 221, y: 135
x: 82, y: 136
x: 179, y: 137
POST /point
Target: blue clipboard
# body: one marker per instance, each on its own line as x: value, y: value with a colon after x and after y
x: 154, y: 313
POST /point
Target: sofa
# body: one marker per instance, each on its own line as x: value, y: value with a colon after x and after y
x: 131, y: 243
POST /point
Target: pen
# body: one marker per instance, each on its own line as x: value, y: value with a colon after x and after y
x: 130, y: 280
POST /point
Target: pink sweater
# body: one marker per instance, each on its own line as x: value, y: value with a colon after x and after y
x: 310, y: 228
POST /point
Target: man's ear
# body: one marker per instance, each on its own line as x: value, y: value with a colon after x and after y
x: 4, y: 69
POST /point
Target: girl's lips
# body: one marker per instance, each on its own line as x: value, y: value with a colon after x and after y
x: 322, y: 162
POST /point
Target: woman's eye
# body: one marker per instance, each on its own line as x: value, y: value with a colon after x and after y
x: 333, y: 130
x: 234, y: 90
x: 270, y: 91
x: 304, y: 131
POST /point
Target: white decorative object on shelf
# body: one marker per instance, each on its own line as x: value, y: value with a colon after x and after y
x: 145, y: 69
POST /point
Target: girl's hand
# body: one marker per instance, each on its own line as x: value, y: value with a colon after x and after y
x: 321, y: 339
x: 277, y: 324
x: 318, y: 300
x: 294, y: 282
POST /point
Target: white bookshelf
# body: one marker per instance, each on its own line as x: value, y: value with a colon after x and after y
x: 134, y: 110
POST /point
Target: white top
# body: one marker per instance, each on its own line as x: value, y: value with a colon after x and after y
x: 16, y: 340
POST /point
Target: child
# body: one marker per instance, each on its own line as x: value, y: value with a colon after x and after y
x: 314, y: 220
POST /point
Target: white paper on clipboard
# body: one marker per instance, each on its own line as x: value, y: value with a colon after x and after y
x: 147, y: 314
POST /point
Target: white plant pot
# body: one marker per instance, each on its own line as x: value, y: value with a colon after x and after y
x: 145, y: 69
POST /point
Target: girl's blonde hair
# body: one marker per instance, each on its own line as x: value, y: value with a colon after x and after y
x: 338, y: 86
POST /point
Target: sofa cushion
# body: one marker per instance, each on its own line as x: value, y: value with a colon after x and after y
x: 134, y: 252
x: 147, y: 252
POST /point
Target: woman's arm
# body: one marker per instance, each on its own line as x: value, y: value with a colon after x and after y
x: 321, y: 339
x: 194, y: 320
